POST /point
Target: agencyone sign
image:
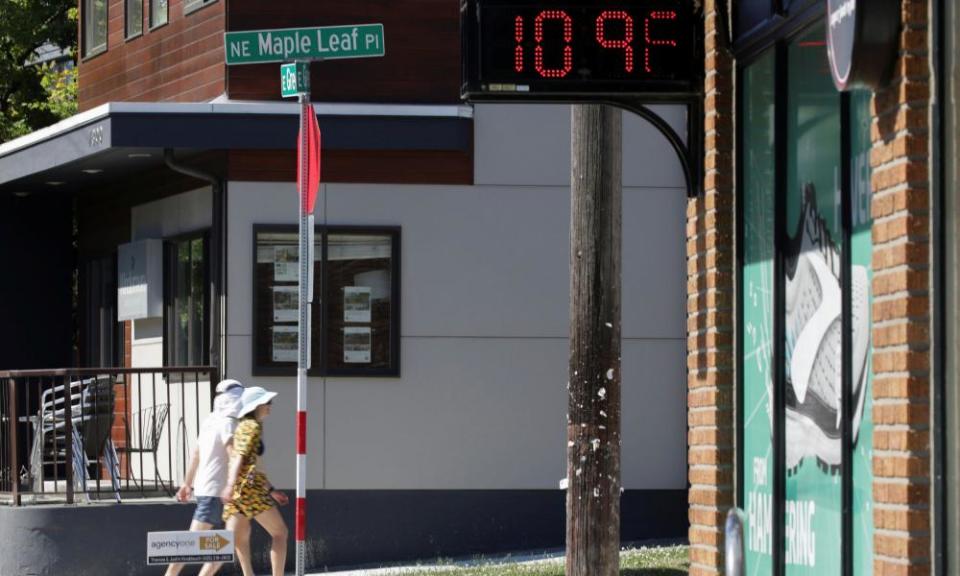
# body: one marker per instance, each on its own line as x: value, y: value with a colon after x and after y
x: 287, y: 44
x: 189, y: 547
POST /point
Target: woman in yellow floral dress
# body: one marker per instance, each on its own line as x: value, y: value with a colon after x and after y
x: 248, y: 494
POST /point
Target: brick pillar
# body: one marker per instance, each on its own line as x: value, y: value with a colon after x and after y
x: 901, y: 309
x: 710, y: 294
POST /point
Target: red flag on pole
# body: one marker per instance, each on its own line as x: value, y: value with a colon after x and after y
x: 312, y: 158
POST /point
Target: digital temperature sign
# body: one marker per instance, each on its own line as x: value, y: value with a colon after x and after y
x: 579, y: 48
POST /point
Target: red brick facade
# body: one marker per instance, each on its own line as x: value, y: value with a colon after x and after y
x: 901, y: 311
x: 710, y: 316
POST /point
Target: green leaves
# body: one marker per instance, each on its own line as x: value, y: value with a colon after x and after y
x: 34, y: 95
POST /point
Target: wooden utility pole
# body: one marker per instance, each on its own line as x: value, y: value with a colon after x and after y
x: 593, y: 415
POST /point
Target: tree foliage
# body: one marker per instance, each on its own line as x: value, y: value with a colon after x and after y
x: 31, y: 95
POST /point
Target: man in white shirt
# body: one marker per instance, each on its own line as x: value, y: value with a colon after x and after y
x: 207, y: 473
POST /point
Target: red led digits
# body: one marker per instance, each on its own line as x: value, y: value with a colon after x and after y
x: 518, y: 51
x: 567, y: 39
x: 622, y: 43
x: 655, y: 15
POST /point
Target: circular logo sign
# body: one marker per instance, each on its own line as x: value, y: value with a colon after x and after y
x: 841, y: 31
x: 862, y: 41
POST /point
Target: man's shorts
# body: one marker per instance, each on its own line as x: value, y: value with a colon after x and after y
x: 209, y: 510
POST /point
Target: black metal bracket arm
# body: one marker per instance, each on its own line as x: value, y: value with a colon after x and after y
x: 690, y: 152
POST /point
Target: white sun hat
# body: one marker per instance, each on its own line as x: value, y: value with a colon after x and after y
x: 228, y: 384
x: 253, y: 397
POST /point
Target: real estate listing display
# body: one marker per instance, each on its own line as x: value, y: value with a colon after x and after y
x: 354, y: 325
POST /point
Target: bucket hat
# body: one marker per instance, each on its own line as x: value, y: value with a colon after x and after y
x: 253, y: 397
x: 228, y: 384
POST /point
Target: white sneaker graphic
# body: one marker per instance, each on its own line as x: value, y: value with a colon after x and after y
x: 813, y: 343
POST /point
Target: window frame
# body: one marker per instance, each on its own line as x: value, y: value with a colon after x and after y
x: 153, y: 25
x: 169, y: 288
x: 89, y: 52
x: 200, y: 5
x: 320, y: 366
x: 127, y: 36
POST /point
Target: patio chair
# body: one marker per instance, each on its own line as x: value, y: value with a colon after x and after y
x: 91, y: 410
x: 143, y: 437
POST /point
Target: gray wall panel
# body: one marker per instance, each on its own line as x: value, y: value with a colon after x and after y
x: 481, y: 400
x: 467, y: 414
x: 654, y: 416
x: 529, y: 145
x: 654, y: 298
x: 248, y: 204
x: 477, y: 261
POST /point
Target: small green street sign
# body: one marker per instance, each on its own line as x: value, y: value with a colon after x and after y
x: 323, y: 43
x: 294, y: 79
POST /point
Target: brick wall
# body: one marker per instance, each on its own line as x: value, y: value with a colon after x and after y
x: 901, y: 309
x: 710, y: 293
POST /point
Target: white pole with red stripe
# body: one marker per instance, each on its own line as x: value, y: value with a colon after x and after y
x: 308, y: 183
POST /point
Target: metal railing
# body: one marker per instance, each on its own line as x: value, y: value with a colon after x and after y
x: 99, y: 433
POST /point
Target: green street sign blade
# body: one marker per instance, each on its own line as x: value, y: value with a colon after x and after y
x: 294, y: 79
x: 288, y: 44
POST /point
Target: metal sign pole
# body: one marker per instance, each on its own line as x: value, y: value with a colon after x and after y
x: 303, y: 330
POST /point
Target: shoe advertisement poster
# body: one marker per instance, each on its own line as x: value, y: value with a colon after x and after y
x: 756, y: 304
x: 812, y: 245
x: 861, y: 255
x: 813, y: 362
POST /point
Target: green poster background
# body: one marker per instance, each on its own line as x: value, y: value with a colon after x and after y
x: 813, y: 526
x: 861, y: 254
x: 757, y: 308
x: 812, y: 241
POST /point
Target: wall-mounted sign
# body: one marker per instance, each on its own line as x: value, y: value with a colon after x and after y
x: 862, y: 41
x: 140, y: 280
x: 579, y: 48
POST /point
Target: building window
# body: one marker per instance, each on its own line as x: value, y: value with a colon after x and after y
x: 94, y: 27
x: 194, y: 5
x: 355, y: 320
x: 158, y: 13
x: 134, y: 16
x: 804, y: 310
x: 186, y: 302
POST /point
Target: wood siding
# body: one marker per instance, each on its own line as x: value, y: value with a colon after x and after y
x: 381, y: 166
x: 181, y: 61
x: 422, y: 62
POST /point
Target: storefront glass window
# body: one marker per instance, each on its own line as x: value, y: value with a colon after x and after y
x: 861, y: 307
x: 803, y: 146
x: 813, y: 361
x: 756, y: 301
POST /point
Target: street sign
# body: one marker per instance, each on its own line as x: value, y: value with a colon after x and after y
x: 184, y: 547
x: 288, y: 44
x: 294, y: 79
